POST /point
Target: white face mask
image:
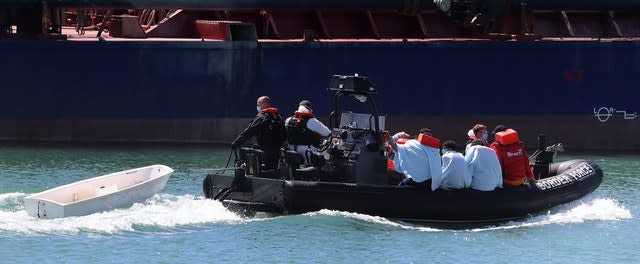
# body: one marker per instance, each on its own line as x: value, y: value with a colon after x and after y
x: 258, y: 108
x: 485, y: 136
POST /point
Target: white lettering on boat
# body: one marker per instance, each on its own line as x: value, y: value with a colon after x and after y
x: 574, y: 175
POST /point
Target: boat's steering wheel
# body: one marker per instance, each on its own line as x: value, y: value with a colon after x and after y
x: 325, y: 144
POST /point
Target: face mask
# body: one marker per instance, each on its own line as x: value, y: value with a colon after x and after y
x: 258, y: 108
x: 485, y: 136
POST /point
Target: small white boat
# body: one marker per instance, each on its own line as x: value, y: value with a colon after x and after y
x: 98, y: 194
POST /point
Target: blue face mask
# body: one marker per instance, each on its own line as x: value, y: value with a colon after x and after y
x: 258, y: 108
x: 485, y: 136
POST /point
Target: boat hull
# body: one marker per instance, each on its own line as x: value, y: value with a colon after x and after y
x: 99, y: 194
x: 576, y: 179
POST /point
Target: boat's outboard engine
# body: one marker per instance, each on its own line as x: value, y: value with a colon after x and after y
x: 357, y: 150
x: 240, y: 181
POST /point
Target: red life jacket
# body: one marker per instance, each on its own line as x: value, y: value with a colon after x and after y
x: 391, y: 165
x: 273, y: 134
x: 513, y: 158
x: 270, y: 110
x: 303, y: 114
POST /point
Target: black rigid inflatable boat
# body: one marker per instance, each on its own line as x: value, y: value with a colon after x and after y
x: 350, y: 174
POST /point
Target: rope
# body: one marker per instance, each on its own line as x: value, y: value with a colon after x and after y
x: 222, y: 194
x: 212, y: 170
x: 218, y: 170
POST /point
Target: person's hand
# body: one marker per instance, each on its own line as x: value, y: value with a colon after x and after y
x: 400, y: 135
x: 325, y: 144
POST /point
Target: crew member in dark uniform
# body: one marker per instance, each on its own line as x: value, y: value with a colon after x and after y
x: 268, y: 128
x: 305, y: 132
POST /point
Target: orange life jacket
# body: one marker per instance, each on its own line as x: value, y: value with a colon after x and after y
x: 507, y: 137
x: 429, y: 141
x: 424, y: 139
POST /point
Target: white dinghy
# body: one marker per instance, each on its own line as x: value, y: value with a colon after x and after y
x: 98, y: 194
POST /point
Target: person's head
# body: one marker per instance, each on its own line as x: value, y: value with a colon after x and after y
x: 305, y: 106
x: 480, y: 131
x: 450, y: 145
x: 306, y: 103
x: 499, y: 128
x: 425, y: 131
x: 477, y: 142
x: 263, y: 102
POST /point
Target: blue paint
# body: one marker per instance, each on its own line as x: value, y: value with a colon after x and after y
x: 144, y: 79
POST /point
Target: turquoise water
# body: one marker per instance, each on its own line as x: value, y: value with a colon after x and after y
x: 179, y: 226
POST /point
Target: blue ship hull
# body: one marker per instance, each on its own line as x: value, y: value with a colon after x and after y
x: 582, y: 92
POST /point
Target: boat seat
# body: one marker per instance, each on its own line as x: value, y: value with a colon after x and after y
x: 253, y: 158
x: 317, y: 160
x: 271, y: 174
x: 297, y: 170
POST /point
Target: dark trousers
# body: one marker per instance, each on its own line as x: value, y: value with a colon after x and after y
x: 410, y: 182
x: 270, y: 159
x: 395, y: 178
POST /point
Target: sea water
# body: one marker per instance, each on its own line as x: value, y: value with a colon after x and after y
x: 179, y: 226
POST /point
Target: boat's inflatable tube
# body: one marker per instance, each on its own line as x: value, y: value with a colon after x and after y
x: 568, y: 173
x: 570, y: 180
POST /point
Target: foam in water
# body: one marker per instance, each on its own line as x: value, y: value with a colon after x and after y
x: 10, y: 198
x: 169, y: 211
x: 597, y: 209
x: 371, y: 219
x: 162, y: 210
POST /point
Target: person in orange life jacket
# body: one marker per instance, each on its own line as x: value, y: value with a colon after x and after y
x: 268, y: 128
x: 305, y: 132
x: 418, y: 159
x: 514, y: 161
x: 394, y: 176
x: 479, y: 131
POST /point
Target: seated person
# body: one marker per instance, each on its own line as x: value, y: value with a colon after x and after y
x: 305, y: 132
x: 418, y: 159
x: 484, y: 167
x: 514, y: 161
x: 479, y: 131
x: 454, y: 169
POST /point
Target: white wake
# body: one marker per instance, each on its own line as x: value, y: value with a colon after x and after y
x: 162, y: 211
x: 170, y: 211
x: 598, y: 209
